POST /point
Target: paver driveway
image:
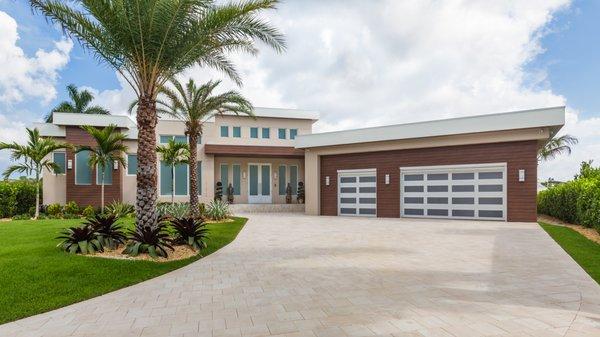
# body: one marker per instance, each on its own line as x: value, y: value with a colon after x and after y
x: 295, y: 275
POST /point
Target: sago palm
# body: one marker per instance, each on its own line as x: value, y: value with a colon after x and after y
x: 34, y: 157
x: 173, y: 154
x: 557, y: 146
x: 109, y: 148
x: 150, y: 41
x: 80, y: 103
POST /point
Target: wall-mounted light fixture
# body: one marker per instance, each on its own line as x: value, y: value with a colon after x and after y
x: 327, y: 181
x: 387, y: 179
x: 243, y: 174
x: 521, y: 175
x: 116, y: 165
x: 70, y: 164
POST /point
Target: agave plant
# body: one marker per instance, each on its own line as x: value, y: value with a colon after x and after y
x: 175, y: 210
x: 218, y: 210
x: 108, y: 232
x: 120, y: 209
x: 151, y: 240
x: 80, y: 240
x: 190, y: 231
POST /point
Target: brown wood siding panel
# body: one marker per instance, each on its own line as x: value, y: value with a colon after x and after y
x: 521, y: 203
x: 85, y: 195
x: 253, y: 151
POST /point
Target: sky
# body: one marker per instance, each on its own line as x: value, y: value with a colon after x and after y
x: 359, y: 64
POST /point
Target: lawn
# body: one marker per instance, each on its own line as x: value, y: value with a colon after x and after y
x: 584, y: 251
x: 36, y: 276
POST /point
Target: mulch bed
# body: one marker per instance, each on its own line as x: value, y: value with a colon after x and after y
x: 180, y: 253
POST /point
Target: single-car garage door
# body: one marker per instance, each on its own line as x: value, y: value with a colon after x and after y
x: 458, y: 192
x: 357, y: 192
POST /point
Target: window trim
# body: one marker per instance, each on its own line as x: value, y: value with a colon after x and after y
x: 127, y: 164
x: 65, y: 154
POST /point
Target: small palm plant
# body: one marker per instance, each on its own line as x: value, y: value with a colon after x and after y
x: 173, y: 154
x: 190, y: 231
x: 109, y: 149
x: 80, y: 103
x: 34, y: 157
x: 557, y: 146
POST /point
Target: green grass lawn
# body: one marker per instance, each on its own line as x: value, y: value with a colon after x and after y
x: 584, y: 251
x: 36, y: 276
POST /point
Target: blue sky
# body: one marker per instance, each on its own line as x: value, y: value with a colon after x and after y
x: 344, y: 58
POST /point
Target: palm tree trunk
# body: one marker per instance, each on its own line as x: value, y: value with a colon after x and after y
x: 172, y: 184
x: 37, y: 195
x: 193, y: 176
x: 102, y: 191
x: 145, y: 202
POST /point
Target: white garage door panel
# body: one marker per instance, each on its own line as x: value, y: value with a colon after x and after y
x: 357, y: 192
x: 460, y: 192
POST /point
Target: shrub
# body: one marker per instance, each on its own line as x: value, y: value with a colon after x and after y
x: 218, y: 210
x: 588, y: 204
x: 17, y: 197
x: 202, y: 209
x: 54, y: 209
x: 154, y: 241
x: 89, y: 211
x: 190, y: 231
x: 120, y: 209
x: 71, y: 208
x: 68, y: 216
x: 21, y: 217
x: 108, y: 232
x: 8, y: 202
x: 174, y: 210
x: 79, y: 240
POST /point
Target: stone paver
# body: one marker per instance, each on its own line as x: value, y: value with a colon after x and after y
x: 295, y: 275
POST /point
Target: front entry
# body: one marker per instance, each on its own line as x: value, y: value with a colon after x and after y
x: 259, y: 184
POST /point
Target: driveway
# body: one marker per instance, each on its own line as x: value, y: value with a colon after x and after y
x: 296, y: 275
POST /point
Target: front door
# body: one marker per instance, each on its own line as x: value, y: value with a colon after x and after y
x: 259, y: 184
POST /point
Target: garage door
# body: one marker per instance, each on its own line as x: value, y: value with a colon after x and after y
x: 357, y: 192
x: 458, y: 192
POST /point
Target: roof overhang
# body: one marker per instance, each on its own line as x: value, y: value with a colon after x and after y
x: 76, y: 119
x: 551, y: 119
x: 253, y: 151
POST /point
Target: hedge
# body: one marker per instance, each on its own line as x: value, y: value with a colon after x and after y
x: 17, y: 197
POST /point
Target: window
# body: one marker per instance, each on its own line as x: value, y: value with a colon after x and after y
x: 293, y: 133
x: 166, y: 179
x: 282, y: 184
x: 131, y: 164
x: 237, y: 178
x: 199, y: 141
x: 59, y: 158
x: 83, y: 172
x: 225, y: 177
x: 107, y: 174
x: 253, y: 132
x: 164, y: 139
x: 224, y: 131
x: 281, y: 133
x: 294, y: 179
x: 181, y: 139
x: 266, y: 133
x: 237, y: 132
x: 199, y: 177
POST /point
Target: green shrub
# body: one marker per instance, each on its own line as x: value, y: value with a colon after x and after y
x: 120, y: 209
x: 54, y: 209
x: 89, y: 211
x: 71, y: 208
x: 218, y: 210
x: 588, y: 205
x: 8, y: 201
x: 21, y: 217
x: 175, y: 210
x: 17, y: 197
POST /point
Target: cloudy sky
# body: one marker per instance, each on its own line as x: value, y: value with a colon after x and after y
x: 359, y: 63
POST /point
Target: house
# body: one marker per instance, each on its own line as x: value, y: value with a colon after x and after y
x: 477, y: 167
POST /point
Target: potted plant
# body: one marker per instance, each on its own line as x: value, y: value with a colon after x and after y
x: 230, y: 193
x: 300, y: 195
x: 219, y: 191
x: 288, y: 194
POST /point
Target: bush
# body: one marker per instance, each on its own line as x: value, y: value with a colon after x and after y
x: 89, y: 211
x: 588, y: 205
x: 108, y: 232
x: 175, y: 210
x: 21, y: 217
x: 218, y: 210
x: 54, y: 209
x: 79, y: 240
x: 18, y: 196
x: 190, y: 231
x: 120, y: 209
x: 71, y: 208
x: 8, y: 202
x: 154, y: 241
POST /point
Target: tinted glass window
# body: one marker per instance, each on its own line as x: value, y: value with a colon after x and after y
x: 463, y: 176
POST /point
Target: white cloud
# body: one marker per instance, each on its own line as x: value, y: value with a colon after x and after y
x: 23, y: 76
x: 366, y: 63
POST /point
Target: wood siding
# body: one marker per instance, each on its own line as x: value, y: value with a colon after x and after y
x: 521, y: 203
x: 85, y: 195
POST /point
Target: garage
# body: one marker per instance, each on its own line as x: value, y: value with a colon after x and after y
x: 455, y: 192
x: 357, y: 192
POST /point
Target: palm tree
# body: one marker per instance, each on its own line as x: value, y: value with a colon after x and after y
x: 80, y: 103
x: 557, y: 146
x: 173, y: 154
x: 109, y: 149
x: 150, y: 41
x: 35, y: 157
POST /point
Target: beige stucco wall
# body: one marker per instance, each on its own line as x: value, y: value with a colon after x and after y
x: 275, y: 163
x: 312, y: 155
x: 54, y: 188
x: 213, y: 134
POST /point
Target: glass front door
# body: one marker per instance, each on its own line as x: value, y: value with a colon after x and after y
x: 259, y: 181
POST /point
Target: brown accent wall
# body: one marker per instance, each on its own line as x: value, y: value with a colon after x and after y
x: 85, y: 195
x: 521, y: 203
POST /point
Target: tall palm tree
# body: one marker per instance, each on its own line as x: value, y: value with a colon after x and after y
x: 173, y: 154
x: 557, y: 146
x: 150, y: 41
x: 34, y: 157
x: 193, y: 105
x: 109, y: 149
x: 80, y: 103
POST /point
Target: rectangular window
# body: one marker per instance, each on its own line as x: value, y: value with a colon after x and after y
x: 59, y: 158
x: 294, y: 179
x: 224, y: 131
x: 199, y: 177
x: 266, y: 133
x: 107, y: 174
x: 253, y: 132
x: 265, y: 173
x: 282, y: 184
x: 164, y: 139
x: 293, y: 133
x: 281, y: 133
x: 83, y: 172
x: 131, y: 164
x: 199, y: 141
x: 181, y: 179
x: 237, y: 132
x: 181, y: 139
x: 225, y: 177
x: 237, y: 179
x: 166, y: 181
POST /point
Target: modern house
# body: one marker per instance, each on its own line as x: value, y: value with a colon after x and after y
x: 478, y: 167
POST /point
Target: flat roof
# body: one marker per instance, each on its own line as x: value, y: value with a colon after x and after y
x: 552, y: 117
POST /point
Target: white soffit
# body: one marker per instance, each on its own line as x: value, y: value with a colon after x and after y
x: 553, y: 117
